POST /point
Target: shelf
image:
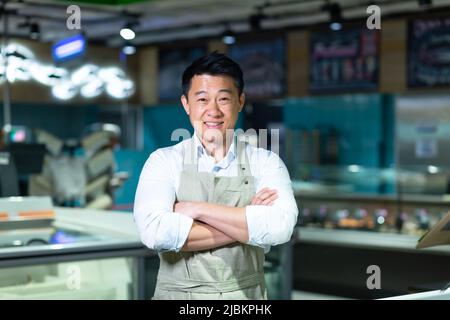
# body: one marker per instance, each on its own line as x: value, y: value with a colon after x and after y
x: 443, y: 200
x: 364, y: 239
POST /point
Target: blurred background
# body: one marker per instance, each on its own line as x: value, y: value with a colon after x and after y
x: 359, y: 91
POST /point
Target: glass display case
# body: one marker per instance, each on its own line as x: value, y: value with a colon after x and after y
x: 409, y: 200
x: 93, y: 254
x: 352, y: 217
x: 103, y: 279
x: 81, y: 254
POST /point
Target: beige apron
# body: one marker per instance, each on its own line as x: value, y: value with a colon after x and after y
x: 233, y: 271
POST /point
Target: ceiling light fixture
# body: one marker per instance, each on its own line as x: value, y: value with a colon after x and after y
x: 228, y: 36
x: 129, y: 49
x: 35, y: 31
x: 335, y: 13
x: 255, y: 20
x: 127, y: 32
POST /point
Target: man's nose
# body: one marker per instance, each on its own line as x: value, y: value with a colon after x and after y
x: 214, y: 109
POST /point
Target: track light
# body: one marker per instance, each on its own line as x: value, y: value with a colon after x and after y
x: 335, y: 26
x: 127, y: 32
x: 129, y: 49
x: 255, y: 19
x: 34, y: 31
x: 33, y: 28
x: 335, y: 13
x: 228, y: 37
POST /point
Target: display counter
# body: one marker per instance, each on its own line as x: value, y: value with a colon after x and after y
x: 339, y: 235
x: 81, y: 254
x: 95, y: 254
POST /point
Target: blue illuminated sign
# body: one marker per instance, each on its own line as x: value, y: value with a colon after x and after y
x: 69, y: 48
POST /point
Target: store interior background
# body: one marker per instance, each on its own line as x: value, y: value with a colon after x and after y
x: 364, y: 120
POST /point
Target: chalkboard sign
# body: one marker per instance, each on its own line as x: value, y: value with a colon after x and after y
x: 344, y: 61
x: 429, y: 52
x: 263, y: 66
x: 172, y: 64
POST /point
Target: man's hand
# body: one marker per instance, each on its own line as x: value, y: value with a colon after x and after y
x: 265, y: 197
x: 188, y: 208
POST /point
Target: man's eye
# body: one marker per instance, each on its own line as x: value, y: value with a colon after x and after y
x: 224, y: 99
x: 201, y: 100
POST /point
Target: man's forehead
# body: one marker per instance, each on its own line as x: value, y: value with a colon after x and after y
x: 204, y: 82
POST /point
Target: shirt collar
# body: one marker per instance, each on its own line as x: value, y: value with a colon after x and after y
x: 230, y: 156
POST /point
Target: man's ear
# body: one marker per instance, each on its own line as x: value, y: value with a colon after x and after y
x: 185, y: 103
x: 241, y: 101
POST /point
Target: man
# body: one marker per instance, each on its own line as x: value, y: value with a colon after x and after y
x: 212, y: 205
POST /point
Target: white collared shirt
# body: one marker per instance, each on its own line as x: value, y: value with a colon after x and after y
x: 162, y: 229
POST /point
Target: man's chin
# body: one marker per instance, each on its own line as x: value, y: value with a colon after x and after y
x: 212, y: 135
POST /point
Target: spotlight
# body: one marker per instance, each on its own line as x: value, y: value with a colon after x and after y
x: 335, y: 26
x: 335, y: 12
x: 127, y: 32
x: 34, y: 31
x: 228, y: 37
x: 129, y: 49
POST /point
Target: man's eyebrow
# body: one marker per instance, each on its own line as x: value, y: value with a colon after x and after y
x: 221, y: 90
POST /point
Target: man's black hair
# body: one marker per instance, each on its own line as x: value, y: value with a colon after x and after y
x: 213, y: 64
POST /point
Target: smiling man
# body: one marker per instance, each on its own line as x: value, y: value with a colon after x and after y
x: 213, y: 205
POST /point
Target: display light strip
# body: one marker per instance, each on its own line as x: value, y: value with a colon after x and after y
x: 89, y: 80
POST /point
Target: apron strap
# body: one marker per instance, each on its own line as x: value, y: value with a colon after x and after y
x: 242, y: 157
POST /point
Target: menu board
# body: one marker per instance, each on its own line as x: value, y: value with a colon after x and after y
x: 429, y: 52
x: 263, y: 66
x: 172, y: 64
x: 344, y: 61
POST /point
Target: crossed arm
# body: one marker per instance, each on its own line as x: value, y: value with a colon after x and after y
x: 165, y: 224
x: 216, y: 225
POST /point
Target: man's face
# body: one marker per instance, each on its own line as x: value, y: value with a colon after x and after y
x: 213, y: 104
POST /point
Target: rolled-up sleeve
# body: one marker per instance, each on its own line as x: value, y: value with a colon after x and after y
x: 273, y: 225
x: 159, y: 227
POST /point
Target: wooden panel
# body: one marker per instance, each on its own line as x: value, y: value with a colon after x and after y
x: 147, y: 76
x: 393, y: 56
x: 297, y: 63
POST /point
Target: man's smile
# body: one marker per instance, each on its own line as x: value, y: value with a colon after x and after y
x: 213, y: 124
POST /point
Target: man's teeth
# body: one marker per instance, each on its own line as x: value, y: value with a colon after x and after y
x: 213, y: 123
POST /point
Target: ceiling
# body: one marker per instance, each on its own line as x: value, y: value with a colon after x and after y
x: 170, y: 20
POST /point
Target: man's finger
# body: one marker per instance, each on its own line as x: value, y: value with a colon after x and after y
x: 270, y: 200
x: 265, y: 194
